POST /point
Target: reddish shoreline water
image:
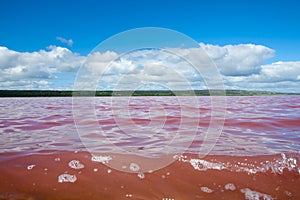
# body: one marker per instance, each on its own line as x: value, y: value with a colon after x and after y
x: 213, y: 177
x: 256, y: 156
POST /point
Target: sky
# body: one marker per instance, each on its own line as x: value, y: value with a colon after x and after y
x: 254, y: 44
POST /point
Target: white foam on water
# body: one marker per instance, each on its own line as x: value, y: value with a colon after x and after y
x: 254, y: 195
x: 102, y: 159
x: 134, y: 167
x: 277, y: 166
x: 75, y: 164
x: 206, y: 189
x: 30, y: 167
x: 181, y: 158
x: 128, y: 195
x: 230, y: 186
x: 67, y: 178
x: 57, y: 159
x: 141, y: 175
x: 203, y: 165
x: 288, y: 193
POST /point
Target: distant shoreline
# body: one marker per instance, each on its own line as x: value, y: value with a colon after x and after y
x: 56, y: 93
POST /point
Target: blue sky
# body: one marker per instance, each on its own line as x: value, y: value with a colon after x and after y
x: 78, y: 26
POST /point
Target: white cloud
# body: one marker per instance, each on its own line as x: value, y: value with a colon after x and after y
x: 21, y: 66
x: 278, y: 76
x: 69, y: 42
x: 140, y: 67
x: 97, y: 63
x: 241, y: 66
x: 238, y: 60
x: 279, y: 71
x: 25, y: 84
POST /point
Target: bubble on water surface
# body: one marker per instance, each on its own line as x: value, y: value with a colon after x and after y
x: 288, y: 193
x: 56, y: 159
x: 206, y: 189
x: 102, y: 159
x: 254, y: 195
x: 30, y: 167
x: 230, y: 186
x: 203, y: 165
x: 134, y: 167
x: 141, y: 175
x: 75, y: 164
x: 279, y: 165
x: 67, y: 178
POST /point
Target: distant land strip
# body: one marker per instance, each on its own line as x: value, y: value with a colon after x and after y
x: 54, y: 93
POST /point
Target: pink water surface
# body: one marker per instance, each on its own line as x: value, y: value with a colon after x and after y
x: 253, y: 125
x: 43, y: 156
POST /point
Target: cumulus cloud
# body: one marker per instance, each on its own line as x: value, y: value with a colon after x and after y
x: 278, y: 72
x: 238, y: 60
x: 18, y: 67
x: 278, y: 76
x: 69, y: 42
x: 241, y: 67
x: 144, y: 67
x: 25, y: 84
x: 97, y: 62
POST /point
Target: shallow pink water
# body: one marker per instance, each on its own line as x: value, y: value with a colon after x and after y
x: 255, y: 157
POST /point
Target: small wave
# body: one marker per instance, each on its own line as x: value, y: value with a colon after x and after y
x: 275, y: 165
x: 254, y: 195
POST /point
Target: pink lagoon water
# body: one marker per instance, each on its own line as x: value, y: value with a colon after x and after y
x: 42, y: 156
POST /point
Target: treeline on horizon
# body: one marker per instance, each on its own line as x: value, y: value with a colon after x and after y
x: 54, y: 93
